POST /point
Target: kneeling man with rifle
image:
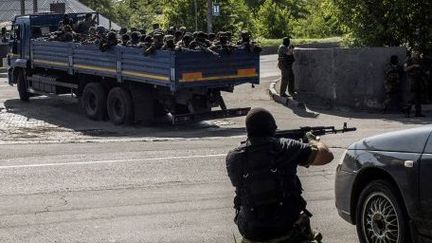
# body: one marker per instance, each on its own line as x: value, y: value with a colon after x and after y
x: 268, y: 202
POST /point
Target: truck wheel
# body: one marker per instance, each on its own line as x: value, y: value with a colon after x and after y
x: 120, y: 107
x: 22, y: 87
x: 93, y: 101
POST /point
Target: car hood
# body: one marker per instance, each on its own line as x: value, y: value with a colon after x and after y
x: 409, y: 140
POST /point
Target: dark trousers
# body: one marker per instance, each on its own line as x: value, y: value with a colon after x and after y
x: 415, y: 100
x: 415, y: 96
x: 287, y: 79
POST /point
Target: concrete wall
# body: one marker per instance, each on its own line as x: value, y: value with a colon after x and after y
x: 347, y: 77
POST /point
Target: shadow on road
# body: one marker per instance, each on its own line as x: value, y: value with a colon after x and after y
x: 66, y: 115
x: 394, y: 116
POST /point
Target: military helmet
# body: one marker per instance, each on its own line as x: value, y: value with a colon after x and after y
x: 148, y: 39
x: 187, y: 37
x: 123, y: 31
x: 67, y: 28
x: 168, y: 38
x: 286, y: 41
x: 245, y: 33
x: 112, y: 36
x: 135, y: 36
x: 100, y: 29
x: 125, y: 37
x: 211, y: 36
x: 142, y: 38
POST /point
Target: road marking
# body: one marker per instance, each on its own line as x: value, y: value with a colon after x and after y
x: 110, y: 161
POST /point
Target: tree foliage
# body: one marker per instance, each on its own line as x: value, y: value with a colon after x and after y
x: 267, y: 18
x: 106, y: 7
x: 138, y: 13
x: 275, y: 19
x: 235, y: 15
x: 387, y: 22
x: 320, y: 21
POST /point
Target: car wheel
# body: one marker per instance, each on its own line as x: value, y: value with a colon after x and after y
x: 93, y: 101
x: 380, y: 215
x: 22, y: 87
x: 119, y: 105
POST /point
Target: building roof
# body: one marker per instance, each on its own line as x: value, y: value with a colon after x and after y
x: 11, y: 8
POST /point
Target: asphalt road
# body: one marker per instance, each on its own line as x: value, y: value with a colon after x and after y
x: 158, y: 184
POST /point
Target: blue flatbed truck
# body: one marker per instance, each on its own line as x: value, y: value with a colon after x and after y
x: 123, y: 84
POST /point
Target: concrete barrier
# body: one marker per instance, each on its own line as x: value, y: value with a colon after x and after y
x: 346, y: 77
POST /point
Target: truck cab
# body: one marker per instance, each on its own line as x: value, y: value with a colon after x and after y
x: 27, y: 27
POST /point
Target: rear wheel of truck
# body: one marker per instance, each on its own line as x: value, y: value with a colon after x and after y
x: 93, y: 101
x: 120, y: 106
x: 22, y: 87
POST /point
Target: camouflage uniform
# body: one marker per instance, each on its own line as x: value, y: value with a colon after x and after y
x: 393, y: 76
x: 416, y: 82
x: 286, y: 60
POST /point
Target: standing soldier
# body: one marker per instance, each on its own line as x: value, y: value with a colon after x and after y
x: 393, y: 76
x: 263, y: 170
x: 286, y: 60
x: 415, y: 77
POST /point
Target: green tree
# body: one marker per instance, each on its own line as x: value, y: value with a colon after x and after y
x: 275, y: 19
x: 138, y: 13
x: 234, y: 15
x: 387, y: 22
x: 320, y: 21
x: 105, y: 7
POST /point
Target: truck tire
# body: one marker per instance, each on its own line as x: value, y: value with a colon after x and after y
x: 93, y: 101
x: 22, y: 87
x: 120, y: 106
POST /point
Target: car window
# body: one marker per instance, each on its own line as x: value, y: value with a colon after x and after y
x: 16, y: 32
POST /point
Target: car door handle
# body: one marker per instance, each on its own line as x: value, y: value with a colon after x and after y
x: 409, y: 163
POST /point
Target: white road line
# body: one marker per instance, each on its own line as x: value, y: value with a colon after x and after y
x: 111, y: 161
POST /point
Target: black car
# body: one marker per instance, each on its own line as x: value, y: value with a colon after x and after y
x: 384, y: 187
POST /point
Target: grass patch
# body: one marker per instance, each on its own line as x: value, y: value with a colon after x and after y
x: 276, y: 42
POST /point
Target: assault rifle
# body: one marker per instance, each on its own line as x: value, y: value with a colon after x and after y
x: 300, y: 134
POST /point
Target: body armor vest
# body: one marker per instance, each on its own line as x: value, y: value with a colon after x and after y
x: 264, y: 183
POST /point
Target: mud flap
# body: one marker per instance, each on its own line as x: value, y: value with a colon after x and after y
x: 211, y: 115
x: 143, y: 103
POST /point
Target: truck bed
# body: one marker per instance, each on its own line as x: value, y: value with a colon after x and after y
x: 175, y: 70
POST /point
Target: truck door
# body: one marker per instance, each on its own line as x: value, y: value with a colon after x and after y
x: 425, y: 188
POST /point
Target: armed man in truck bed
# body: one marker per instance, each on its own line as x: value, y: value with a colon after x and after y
x: 160, y: 39
x: 268, y: 202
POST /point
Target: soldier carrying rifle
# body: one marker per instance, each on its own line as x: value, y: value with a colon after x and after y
x: 268, y: 202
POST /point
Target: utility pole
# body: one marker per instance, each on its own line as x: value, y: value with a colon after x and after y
x: 209, y: 16
x: 22, y: 7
